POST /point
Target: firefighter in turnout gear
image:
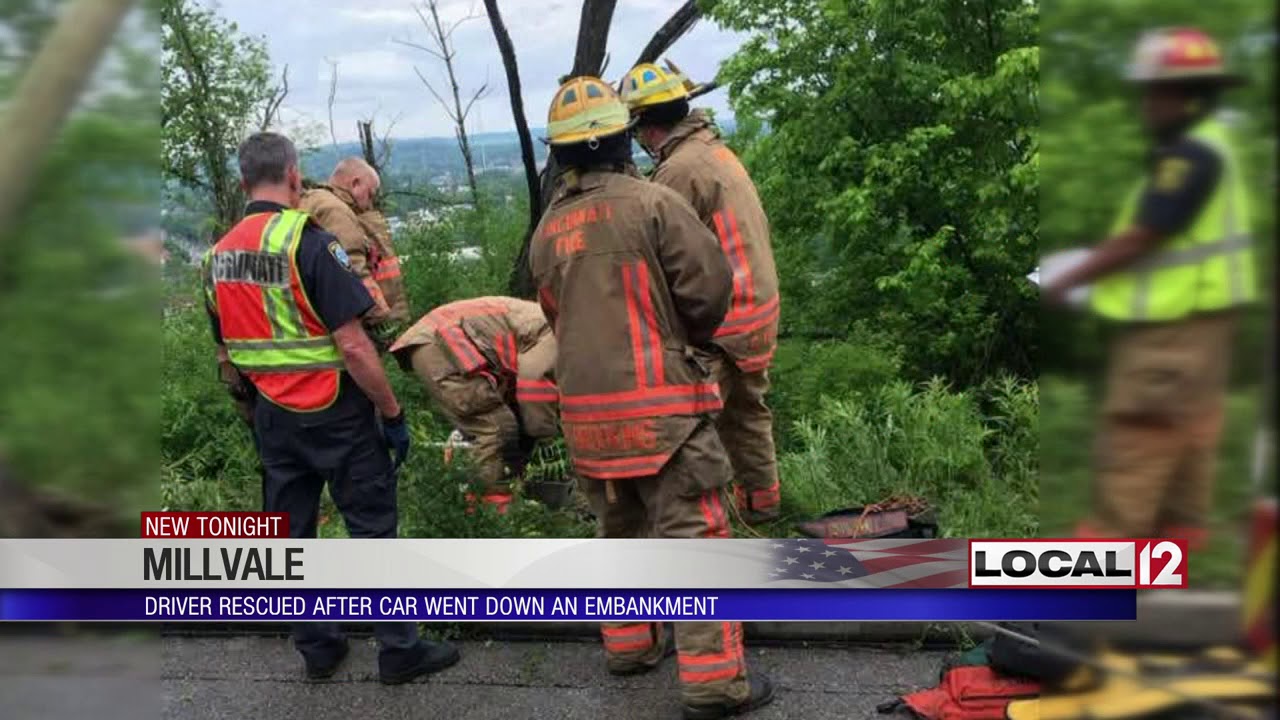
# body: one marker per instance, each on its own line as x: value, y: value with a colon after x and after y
x: 693, y: 161
x: 344, y: 206
x: 1172, y: 278
x: 286, y: 313
x: 487, y: 363
x: 633, y: 284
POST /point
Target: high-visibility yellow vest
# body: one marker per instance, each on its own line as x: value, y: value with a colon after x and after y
x: 1209, y: 266
x: 270, y: 330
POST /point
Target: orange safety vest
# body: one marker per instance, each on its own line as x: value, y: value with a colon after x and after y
x: 269, y: 328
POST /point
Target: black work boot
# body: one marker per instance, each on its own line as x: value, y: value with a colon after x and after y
x: 318, y: 670
x: 761, y: 694
x: 396, y: 667
x: 624, y: 669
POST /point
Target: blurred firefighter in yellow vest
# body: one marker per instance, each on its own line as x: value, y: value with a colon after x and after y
x: 488, y: 365
x: 692, y: 160
x: 345, y: 206
x: 633, y: 283
x: 1172, y: 279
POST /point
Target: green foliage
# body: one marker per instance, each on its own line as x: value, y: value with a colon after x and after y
x: 899, y: 170
x: 929, y: 442
x: 465, y: 254
x: 78, y: 406
x: 216, y: 85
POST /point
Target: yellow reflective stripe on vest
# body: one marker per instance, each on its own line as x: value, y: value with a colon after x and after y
x: 280, y: 238
x: 290, y: 348
x: 1207, y: 267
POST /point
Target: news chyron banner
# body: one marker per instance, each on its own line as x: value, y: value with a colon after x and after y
x: 229, y: 567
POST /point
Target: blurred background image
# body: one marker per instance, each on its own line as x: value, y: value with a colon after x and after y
x: 79, y: 254
x: 1157, y: 220
x: 1095, y: 150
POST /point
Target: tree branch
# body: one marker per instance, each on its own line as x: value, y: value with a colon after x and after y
x: 333, y: 94
x: 444, y: 104
x: 423, y: 48
x: 676, y: 26
x: 275, y: 100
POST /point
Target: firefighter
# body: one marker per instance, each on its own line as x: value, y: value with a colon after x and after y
x: 1173, y: 278
x: 487, y: 363
x: 692, y: 160
x: 286, y: 313
x: 346, y: 207
x: 632, y: 284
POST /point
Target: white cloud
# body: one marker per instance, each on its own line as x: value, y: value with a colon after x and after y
x: 376, y: 74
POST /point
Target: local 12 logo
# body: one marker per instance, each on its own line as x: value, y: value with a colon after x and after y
x: 1078, y: 563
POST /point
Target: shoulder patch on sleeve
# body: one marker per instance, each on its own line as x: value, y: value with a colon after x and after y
x: 335, y: 249
x: 1171, y: 174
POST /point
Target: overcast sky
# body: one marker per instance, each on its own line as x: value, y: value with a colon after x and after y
x: 376, y: 74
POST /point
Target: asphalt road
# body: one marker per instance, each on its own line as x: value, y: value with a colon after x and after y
x: 138, y: 677
x: 259, y: 678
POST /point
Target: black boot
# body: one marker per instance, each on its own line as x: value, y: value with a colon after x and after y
x: 761, y: 694
x: 397, y: 667
x: 318, y: 670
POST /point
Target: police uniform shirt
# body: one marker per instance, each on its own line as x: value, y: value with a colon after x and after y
x: 335, y: 293
x: 1182, y: 177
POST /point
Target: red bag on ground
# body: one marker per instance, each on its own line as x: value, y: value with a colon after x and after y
x: 970, y: 692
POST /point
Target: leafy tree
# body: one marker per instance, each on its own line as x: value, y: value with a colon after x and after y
x: 216, y: 83
x: 898, y: 169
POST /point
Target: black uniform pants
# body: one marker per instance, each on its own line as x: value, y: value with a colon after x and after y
x: 340, y: 447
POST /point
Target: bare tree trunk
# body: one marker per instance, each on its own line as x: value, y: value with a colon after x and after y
x: 365, y: 129
x: 520, y: 283
x: 593, y: 37
x: 445, y: 51
x: 48, y: 92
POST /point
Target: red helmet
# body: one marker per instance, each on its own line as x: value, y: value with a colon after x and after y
x: 1178, y: 54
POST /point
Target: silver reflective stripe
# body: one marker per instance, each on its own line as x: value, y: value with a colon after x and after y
x: 317, y: 342
x: 334, y: 364
x: 1196, y: 253
x: 1235, y: 273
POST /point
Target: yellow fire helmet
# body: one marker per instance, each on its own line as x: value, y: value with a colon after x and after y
x: 648, y: 85
x: 585, y: 109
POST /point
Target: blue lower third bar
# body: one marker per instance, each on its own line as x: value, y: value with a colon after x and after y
x: 564, y: 605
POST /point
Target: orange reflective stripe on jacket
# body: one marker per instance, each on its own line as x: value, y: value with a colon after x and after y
x: 504, y: 346
x: 388, y: 269
x: 731, y: 243
x: 740, y: 321
x: 536, y: 391
x: 646, y: 339
x: 464, y: 351
x: 623, y: 467
x: 693, y: 399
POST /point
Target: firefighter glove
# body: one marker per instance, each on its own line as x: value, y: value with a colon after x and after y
x: 395, y: 431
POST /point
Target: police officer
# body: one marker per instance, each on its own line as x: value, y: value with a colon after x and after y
x: 1172, y: 278
x: 286, y: 313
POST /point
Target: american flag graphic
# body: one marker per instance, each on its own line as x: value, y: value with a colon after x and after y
x: 869, y: 563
